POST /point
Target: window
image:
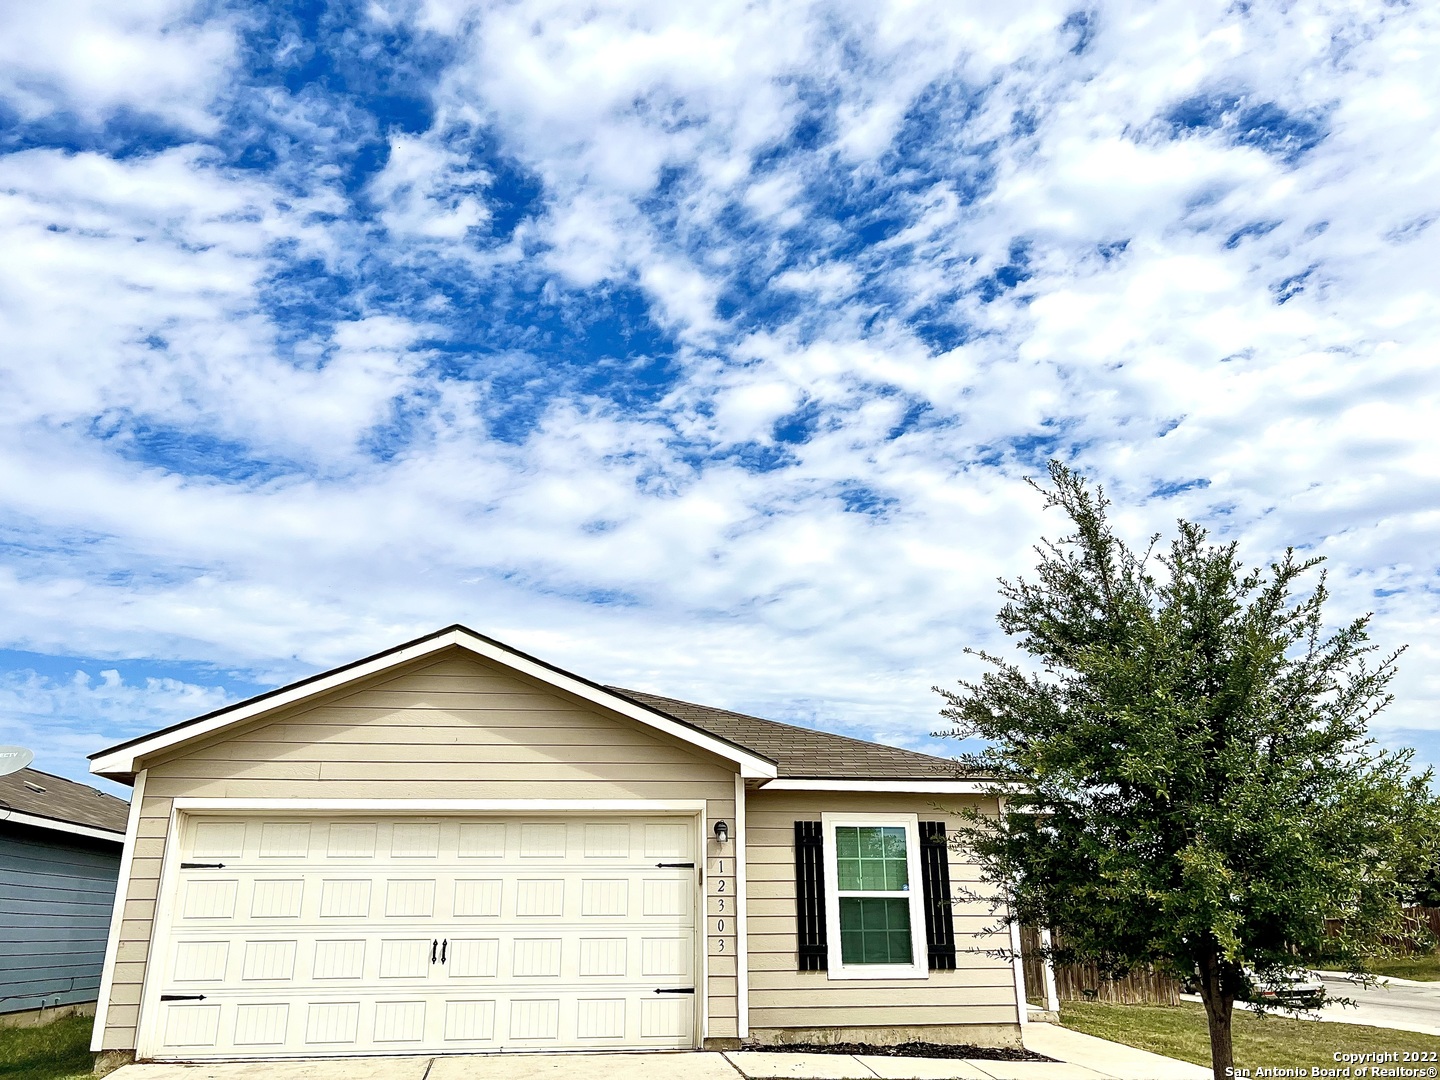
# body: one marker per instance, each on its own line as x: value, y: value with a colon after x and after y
x: 875, y: 902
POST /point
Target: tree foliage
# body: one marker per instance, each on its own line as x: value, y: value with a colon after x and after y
x: 1200, y: 792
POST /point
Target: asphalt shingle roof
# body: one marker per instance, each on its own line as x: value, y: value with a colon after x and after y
x: 803, y: 753
x: 61, y: 800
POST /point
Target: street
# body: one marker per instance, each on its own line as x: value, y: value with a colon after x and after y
x: 1411, y: 1006
x: 1405, y: 1006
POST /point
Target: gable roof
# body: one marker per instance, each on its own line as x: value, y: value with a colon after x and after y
x: 778, y: 755
x: 121, y: 762
x: 38, y: 799
x: 804, y: 753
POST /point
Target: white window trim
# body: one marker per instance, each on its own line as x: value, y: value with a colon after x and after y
x: 919, y: 967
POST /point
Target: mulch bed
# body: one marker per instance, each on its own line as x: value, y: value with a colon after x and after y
x: 910, y: 1049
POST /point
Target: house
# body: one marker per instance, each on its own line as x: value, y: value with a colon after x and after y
x: 59, y: 857
x: 452, y: 846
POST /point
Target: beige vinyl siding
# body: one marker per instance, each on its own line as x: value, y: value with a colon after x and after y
x: 980, y: 991
x: 448, y: 727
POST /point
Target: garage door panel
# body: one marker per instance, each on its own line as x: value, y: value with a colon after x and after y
x: 353, y: 936
x: 560, y: 1018
x: 192, y: 1026
x: 469, y: 1020
x: 268, y: 961
x: 345, y: 898
x: 284, y: 840
x: 277, y: 898
x: 473, y: 958
x: 211, y: 900
x: 263, y: 1025
x: 200, y: 961
x: 338, y: 959
x: 477, y: 898
x: 332, y: 1023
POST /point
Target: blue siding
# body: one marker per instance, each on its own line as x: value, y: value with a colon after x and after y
x: 56, y: 894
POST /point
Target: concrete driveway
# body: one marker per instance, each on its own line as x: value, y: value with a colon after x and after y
x: 1080, y: 1057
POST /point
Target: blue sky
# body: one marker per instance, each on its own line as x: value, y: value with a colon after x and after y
x: 700, y: 348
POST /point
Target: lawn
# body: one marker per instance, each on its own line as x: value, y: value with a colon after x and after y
x: 58, y: 1051
x: 1422, y: 968
x: 1180, y: 1032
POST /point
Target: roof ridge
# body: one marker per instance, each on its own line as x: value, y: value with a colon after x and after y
x: 783, y: 724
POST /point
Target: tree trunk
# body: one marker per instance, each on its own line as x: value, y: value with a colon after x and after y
x: 1218, y: 993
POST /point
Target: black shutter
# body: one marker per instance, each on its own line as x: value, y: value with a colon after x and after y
x: 939, y: 917
x: 810, y: 896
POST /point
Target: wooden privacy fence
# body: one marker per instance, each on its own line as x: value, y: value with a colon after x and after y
x: 1420, y: 918
x: 1083, y: 982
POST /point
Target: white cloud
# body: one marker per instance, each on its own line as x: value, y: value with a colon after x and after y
x: 428, y: 191
x: 92, y: 58
x: 1136, y: 334
x: 63, y: 720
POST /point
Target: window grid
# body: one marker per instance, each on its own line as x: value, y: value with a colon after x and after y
x: 872, y: 868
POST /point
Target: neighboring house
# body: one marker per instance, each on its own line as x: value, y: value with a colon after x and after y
x: 453, y: 847
x: 59, y: 856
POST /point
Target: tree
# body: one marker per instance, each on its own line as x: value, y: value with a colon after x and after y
x: 1194, y: 788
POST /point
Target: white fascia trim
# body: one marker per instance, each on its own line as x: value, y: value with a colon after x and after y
x: 123, y: 762
x: 702, y: 939
x: 1017, y: 962
x: 1052, y: 993
x: 1021, y: 1005
x: 951, y: 787
x: 117, y: 915
x: 442, y: 806
x: 16, y: 817
x: 742, y: 930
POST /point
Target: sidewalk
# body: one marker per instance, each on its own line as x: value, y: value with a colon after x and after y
x: 1108, y: 1058
x: 1079, y: 1057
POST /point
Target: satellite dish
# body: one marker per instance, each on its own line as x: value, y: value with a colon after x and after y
x: 14, y: 758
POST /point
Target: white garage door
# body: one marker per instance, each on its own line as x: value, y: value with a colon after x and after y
x: 348, y: 935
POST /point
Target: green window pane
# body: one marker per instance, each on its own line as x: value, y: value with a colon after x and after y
x: 896, y: 877
x: 875, y: 930
x: 893, y: 843
x: 871, y: 858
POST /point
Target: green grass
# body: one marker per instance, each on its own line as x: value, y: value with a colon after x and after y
x: 1180, y: 1032
x: 58, y: 1051
x: 1424, y: 967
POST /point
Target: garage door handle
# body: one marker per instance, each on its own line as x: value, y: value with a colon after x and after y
x: 678, y: 990
x: 182, y: 997
x: 443, y: 946
x: 676, y: 865
x: 202, y: 866
x: 434, y: 946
